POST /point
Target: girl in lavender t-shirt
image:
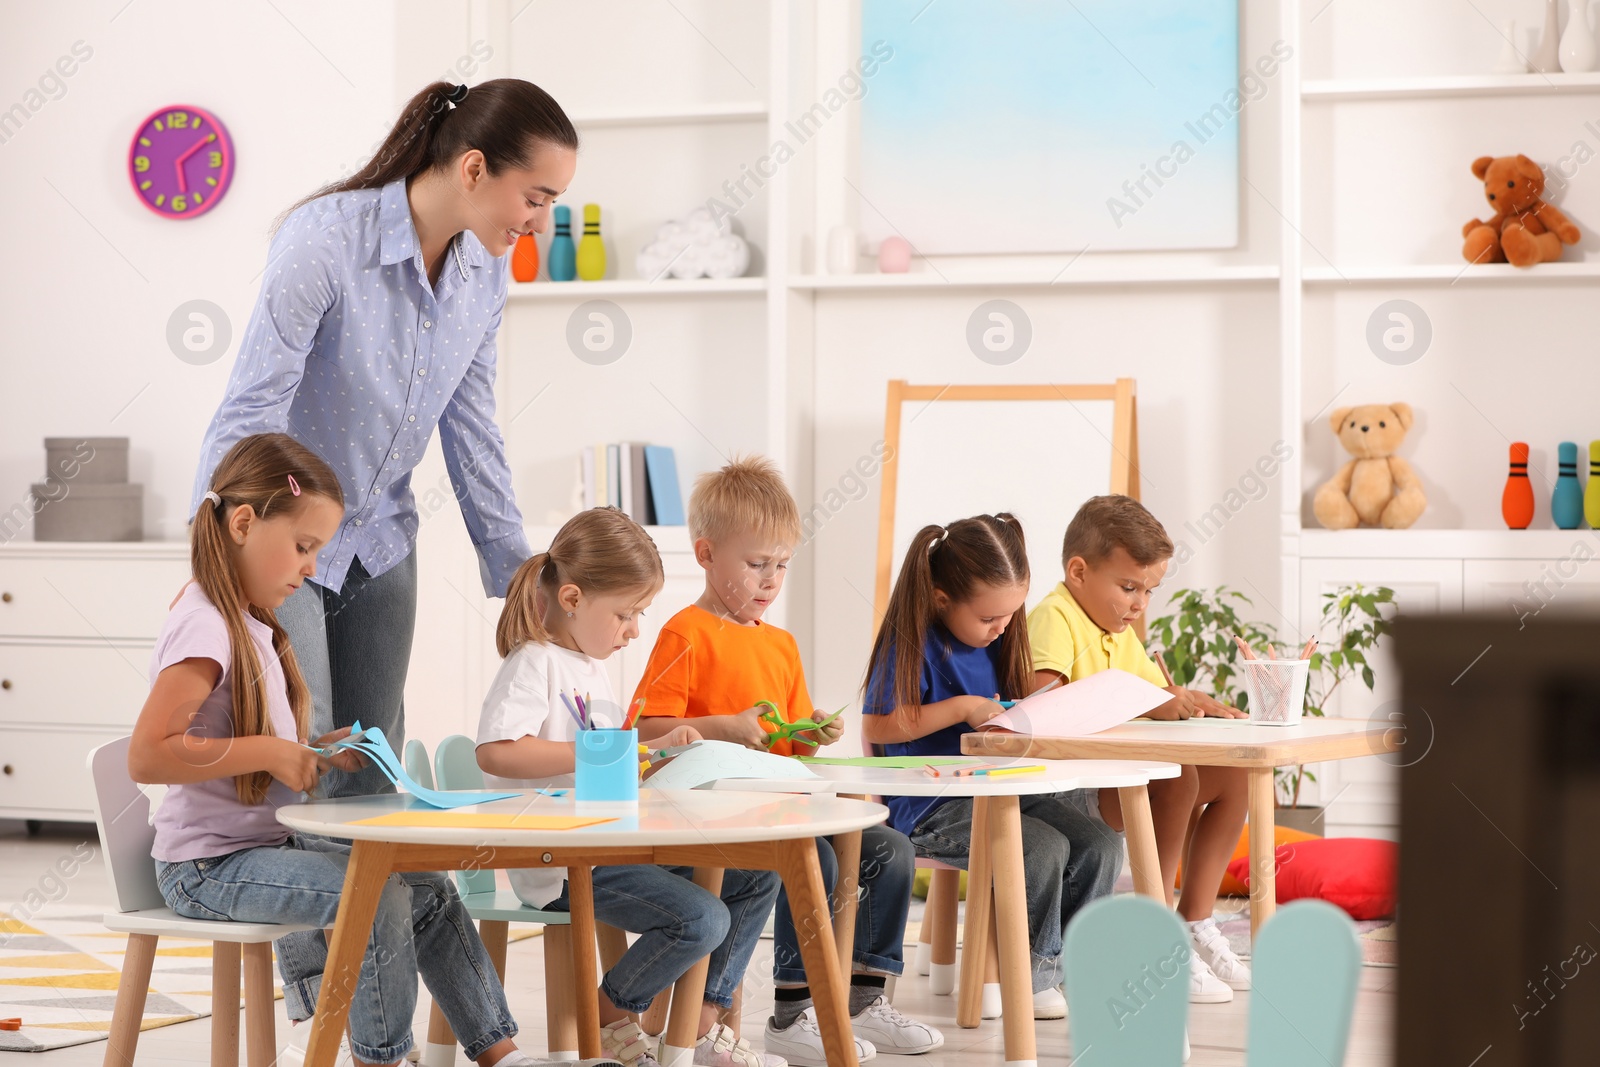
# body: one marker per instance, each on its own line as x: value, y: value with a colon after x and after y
x: 225, y: 726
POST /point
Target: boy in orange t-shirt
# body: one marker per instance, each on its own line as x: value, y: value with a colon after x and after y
x: 711, y: 663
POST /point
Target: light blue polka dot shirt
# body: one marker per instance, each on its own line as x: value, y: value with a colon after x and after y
x: 352, y: 353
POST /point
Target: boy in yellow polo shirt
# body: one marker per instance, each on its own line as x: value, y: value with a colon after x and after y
x: 1114, y: 555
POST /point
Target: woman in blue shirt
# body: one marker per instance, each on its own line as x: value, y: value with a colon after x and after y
x: 375, y: 324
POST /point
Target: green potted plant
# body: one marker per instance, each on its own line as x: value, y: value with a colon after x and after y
x: 1197, y: 641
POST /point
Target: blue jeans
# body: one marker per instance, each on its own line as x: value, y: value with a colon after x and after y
x: 888, y: 863
x: 1070, y: 857
x: 678, y: 923
x: 353, y: 648
x: 420, y: 924
x: 749, y: 896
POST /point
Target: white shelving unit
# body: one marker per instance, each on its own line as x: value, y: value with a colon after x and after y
x: 1499, y: 85
x: 666, y: 288
x: 1071, y: 275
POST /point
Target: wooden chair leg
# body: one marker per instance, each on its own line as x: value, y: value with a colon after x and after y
x: 922, y: 961
x: 654, y: 1021
x: 992, y: 1006
x: 224, y: 1003
x: 260, y: 1026
x: 944, y: 892
x: 613, y: 943
x: 441, y: 1047
x: 560, y: 999
x: 495, y: 933
x: 128, y: 1012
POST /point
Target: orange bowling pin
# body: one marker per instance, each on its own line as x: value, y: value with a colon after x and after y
x: 1516, y: 503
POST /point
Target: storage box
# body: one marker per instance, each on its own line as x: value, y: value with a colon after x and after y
x: 74, y: 511
x: 86, y: 460
x: 607, y: 766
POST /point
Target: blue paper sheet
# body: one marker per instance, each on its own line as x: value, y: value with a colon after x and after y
x: 372, y: 744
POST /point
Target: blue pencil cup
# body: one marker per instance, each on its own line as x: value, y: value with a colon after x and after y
x: 608, y: 766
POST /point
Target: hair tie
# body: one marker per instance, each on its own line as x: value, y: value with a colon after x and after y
x: 944, y: 532
x: 457, y: 94
x: 214, y: 498
x: 294, y: 485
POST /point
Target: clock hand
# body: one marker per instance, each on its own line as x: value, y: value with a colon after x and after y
x: 183, y: 184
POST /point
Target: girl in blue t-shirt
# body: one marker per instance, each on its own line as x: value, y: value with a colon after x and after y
x: 953, y: 642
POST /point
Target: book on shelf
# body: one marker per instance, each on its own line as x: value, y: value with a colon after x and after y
x: 639, y: 479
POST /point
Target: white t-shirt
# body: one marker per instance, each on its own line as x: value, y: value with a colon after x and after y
x: 525, y: 701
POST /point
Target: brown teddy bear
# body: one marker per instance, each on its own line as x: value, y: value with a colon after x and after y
x: 1525, y: 230
x: 1377, y: 487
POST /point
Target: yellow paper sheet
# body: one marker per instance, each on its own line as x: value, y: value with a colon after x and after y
x: 471, y: 821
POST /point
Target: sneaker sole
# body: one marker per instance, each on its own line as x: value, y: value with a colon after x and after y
x: 1210, y: 998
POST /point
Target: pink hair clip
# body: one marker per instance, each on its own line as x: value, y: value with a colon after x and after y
x: 294, y: 485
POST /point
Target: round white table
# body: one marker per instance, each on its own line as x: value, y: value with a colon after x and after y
x: 697, y: 828
x: 995, y: 882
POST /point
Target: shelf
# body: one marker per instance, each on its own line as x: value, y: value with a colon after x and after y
x: 1443, y: 544
x: 1065, y: 278
x: 666, y: 287
x: 681, y: 116
x: 94, y: 549
x: 1455, y: 85
x: 1450, y: 273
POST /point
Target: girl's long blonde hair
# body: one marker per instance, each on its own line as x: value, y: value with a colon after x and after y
x: 262, y: 472
x: 955, y: 560
x: 600, y: 551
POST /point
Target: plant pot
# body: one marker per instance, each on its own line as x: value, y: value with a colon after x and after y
x: 1306, y: 819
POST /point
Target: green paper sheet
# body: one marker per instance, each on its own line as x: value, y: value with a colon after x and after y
x: 883, y: 761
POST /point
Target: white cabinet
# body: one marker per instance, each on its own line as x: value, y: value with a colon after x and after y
x: 77, y: 623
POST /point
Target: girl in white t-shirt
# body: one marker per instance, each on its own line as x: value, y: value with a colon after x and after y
x: 567, y: 610
x: 225, y: 727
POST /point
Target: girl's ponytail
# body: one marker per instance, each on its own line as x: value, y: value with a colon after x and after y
x: 904, y: 630
x: 268, y: 473
x: 522, y: 619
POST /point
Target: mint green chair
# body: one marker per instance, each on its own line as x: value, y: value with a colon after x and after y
x: 1305, y: 969
x: 415, y: 760
x: 1127, y: 972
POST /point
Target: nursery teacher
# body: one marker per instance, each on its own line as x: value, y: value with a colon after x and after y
x: 375, y: 324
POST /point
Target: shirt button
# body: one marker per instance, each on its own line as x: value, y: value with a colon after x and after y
x: 420, y: 373
x: 358, y: 522
x: 411, y: 418
x: 427, y: 324
x: 397, y: 455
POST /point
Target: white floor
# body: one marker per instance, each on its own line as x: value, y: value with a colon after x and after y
x: 1217, y: 1032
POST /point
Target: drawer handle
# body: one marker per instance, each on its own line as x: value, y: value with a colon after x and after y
x: 5, y: 597
x: 7, y: 768
x: 5, y: 683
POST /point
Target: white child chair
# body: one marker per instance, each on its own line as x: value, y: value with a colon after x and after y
x: 122, y: 814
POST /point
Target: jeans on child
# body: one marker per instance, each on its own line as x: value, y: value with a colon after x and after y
x: 420, y: 924
x: 678, y: 923
x: 749, y: 896
x: 1070, y: 858
x: 888, y: 863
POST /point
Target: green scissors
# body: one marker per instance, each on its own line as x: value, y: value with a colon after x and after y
x: 791, y: 731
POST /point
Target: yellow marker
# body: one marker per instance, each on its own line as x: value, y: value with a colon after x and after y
x: 1002, y: 771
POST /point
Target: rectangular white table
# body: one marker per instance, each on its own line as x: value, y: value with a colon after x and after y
x: 1211, y: 742
x: 706, y: 830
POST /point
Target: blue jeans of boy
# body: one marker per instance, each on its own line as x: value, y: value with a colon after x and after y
x: 420, y: 926
x: 678, y: 923
x: 888, y: 863
x: 1070, y: 857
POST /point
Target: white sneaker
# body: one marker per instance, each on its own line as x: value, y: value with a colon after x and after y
x: 624, y: 1042
x: 1211, y: 945
x: 891, y: 1032
x: 1205, y: 987
x: 719, y: 1048
x: 519, y: 1058
x: 801, y: 1042
x: 294, y: 1053
x: 1050, y: 1004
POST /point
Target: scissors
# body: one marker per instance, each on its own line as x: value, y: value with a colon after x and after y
x: 790, y: 731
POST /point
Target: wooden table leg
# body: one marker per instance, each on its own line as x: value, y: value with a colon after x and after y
x: 939, y: 929
x: 847, y: 850
x: 1141, y: 834
x: 1011, y: 928
x: 132, y: 990
x: 580, y: 895
x: 225, y: 1004
x: 808, y: 903
x: 260, y: 1024
x: 1263, y: 858
x: 689, y: 992
x: 980, y: 898
x: 371, y: 863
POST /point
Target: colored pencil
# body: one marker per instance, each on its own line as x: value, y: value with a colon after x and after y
x: 1161, y: 661
x: 1000, y: 772
x: 573, y: 711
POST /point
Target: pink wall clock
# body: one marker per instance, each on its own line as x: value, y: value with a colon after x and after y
x: 180, y: 161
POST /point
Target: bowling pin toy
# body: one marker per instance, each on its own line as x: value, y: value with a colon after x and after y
x: 525, y: 258
x: 1566, y: 503
x: 591, y: 250
x: 1591, y: 489
x: 1516, y: 503
x: 562, y: 264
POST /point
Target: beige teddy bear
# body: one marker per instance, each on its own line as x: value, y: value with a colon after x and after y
x: 1377, y: 487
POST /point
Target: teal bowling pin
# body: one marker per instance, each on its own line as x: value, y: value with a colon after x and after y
x: 1566, y: 503
x: 563, y: 256
x: 1591, y: 489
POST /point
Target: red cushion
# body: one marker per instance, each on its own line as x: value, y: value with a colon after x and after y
x: 1356, y: 873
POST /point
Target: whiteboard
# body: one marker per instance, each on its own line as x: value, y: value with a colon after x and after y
x: 1036, y: 451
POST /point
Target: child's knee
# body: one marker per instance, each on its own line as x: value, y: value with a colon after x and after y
x: 887, y: 858
x: 705, y: 928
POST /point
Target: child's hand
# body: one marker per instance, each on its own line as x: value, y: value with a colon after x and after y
x: 829, y: 732
x: 682, y: 735
x: 1206, y: 705
x: 982, y: 710
x: 745, y: 728
x: 345, y: 759
x: 295, y: 765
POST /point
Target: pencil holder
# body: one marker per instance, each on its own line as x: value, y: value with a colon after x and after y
x: 1277, y: 689
x: 608, y: 766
